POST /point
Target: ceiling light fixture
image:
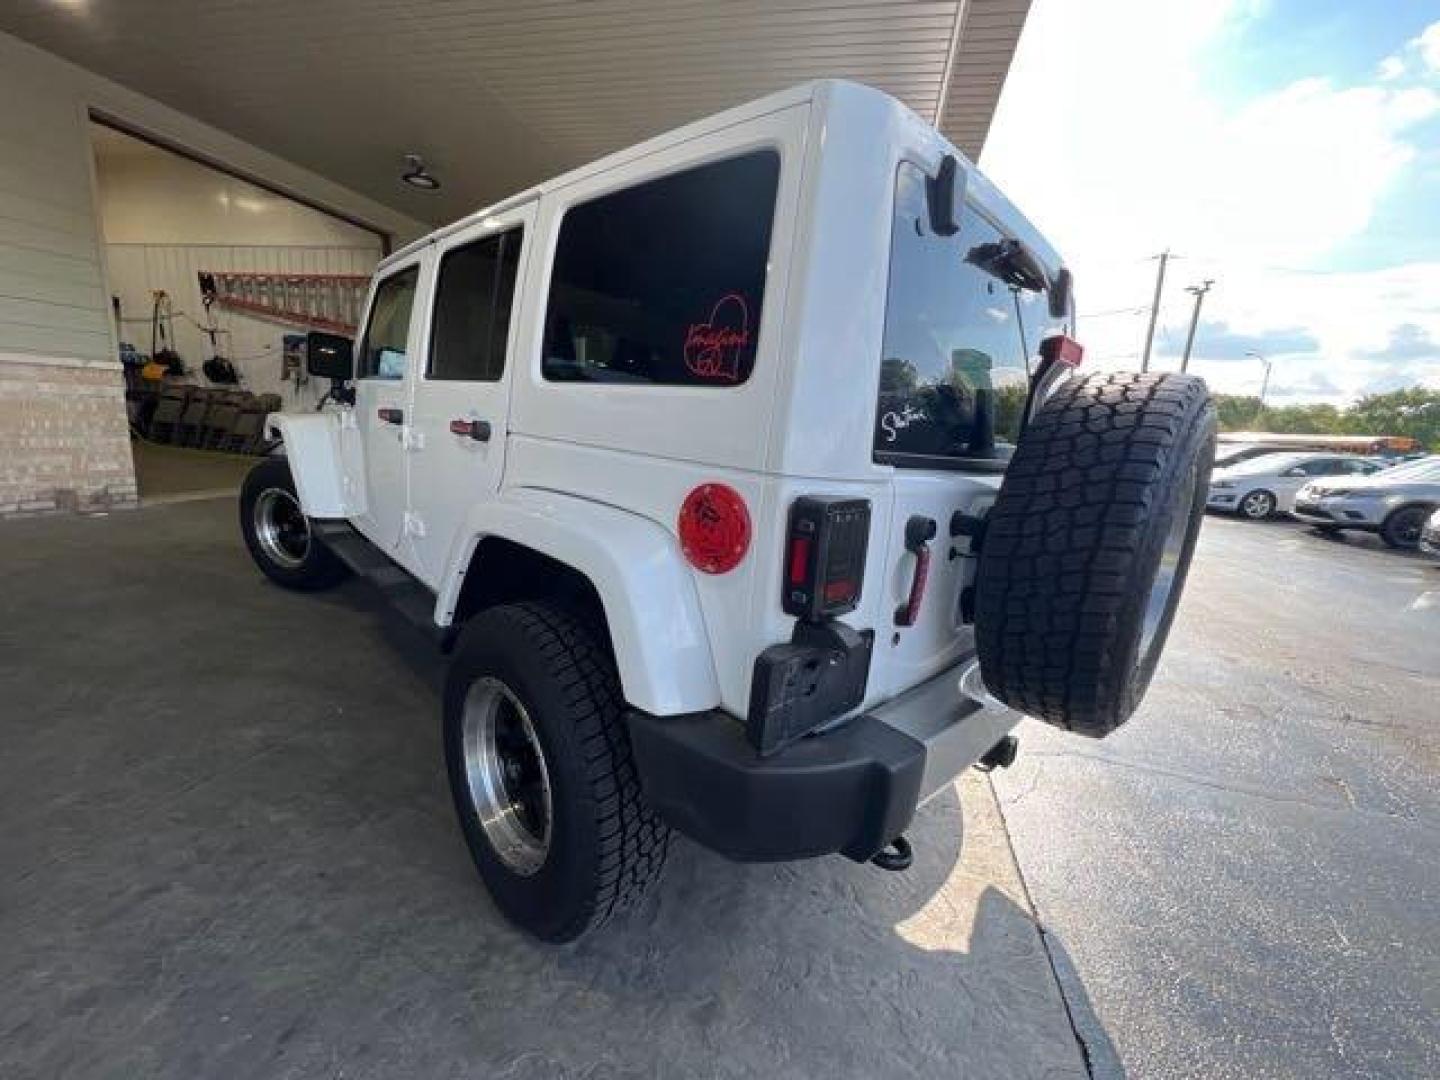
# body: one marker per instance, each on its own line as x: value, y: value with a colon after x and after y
x: 417, y: 176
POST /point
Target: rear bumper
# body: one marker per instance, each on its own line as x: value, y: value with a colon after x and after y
x: 851, y: 789
x: 1224, y: 499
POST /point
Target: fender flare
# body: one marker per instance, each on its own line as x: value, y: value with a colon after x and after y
x: 657, y: 627
x: 312, y: 445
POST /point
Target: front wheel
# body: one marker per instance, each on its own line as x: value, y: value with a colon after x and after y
x: 1402, y: 528
x: 1257, y: 505
x: 278, y: 533
x: 541, y: 772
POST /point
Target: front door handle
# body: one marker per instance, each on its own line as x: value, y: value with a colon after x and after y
x: 479, y: 430
x: 391, y: 416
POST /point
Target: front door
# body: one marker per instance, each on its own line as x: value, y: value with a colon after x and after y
x: 381, y: 404
x: 462, y: 386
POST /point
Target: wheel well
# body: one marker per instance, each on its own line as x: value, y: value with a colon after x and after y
x: 504, y: 572
x: 1418, y: 504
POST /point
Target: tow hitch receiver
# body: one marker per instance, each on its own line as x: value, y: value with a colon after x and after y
x: 1000, y: 756
x: 895, y: 856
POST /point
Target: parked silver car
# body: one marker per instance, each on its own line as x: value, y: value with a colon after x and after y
x: 1430, y: 536
x: 1394, y: 503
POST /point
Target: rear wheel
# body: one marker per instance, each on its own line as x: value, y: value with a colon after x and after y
x: 1086, y: 550
x: 278, y: 533
x: 1402, y: 528
x: 541, y: 772
x: 1257, y: 505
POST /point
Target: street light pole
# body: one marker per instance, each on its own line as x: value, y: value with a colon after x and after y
x: 1164, y: 258
x: 1199, y: 292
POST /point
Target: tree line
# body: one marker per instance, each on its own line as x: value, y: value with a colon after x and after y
x: 1414, y: 411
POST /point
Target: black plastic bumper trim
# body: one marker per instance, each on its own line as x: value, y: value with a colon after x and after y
x: 851, y: 790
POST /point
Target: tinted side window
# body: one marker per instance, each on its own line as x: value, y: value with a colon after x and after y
x: 473, y: 297
x: 383, y: 350
x: 953, y: 379
x: 662, y: 283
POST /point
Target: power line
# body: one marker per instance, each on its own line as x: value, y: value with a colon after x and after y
x: 1113, y: 311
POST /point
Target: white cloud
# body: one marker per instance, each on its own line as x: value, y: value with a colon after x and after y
x: 1392, y: 67
x: 1117, y: 151
x: 1428, y: 44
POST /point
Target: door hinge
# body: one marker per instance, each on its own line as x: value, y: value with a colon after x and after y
x: 412, y: 438
x: 413, y: 524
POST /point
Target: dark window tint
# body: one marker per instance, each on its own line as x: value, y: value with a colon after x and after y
x: 383, y: 351
x: 473, y: 297
x: 662, y: 282
x: 953, y: 380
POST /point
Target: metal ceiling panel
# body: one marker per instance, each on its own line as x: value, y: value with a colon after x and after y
x: 498, y: 95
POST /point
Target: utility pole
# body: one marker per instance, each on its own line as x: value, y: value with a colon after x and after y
x: 1265, y: 382
x: 1199, y: 291
x: 1164, y: 258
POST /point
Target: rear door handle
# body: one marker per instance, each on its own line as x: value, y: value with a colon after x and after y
x: 479, y: 430
x: 391, y: 416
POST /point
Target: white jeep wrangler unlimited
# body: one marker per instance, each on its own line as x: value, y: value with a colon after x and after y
x: 726, y: 468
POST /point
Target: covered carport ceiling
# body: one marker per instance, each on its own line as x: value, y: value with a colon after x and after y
x: 496, y: 94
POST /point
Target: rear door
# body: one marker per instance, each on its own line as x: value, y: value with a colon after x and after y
x: 953, y: 388
x: 462, y: 386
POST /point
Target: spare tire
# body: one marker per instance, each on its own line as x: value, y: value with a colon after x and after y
x: 1085, y: 552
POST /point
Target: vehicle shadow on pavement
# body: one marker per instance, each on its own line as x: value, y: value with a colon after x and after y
x: 247, y: 866
x: 807, y: 969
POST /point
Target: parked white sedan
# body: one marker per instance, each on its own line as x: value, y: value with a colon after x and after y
x: 1267, y: 485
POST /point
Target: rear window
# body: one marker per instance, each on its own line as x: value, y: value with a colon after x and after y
x: 953, y: 374
x: 662, y: 283
x: 473, y: 298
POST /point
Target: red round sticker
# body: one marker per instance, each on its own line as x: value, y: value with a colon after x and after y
x: 714, y: 528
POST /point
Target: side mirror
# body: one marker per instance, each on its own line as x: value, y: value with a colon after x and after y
x: 331, y: 356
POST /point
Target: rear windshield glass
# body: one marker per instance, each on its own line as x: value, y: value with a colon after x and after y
x: 953, y: 379
x: 661, y: 283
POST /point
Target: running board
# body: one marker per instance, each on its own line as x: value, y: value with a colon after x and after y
x: 408, y: 596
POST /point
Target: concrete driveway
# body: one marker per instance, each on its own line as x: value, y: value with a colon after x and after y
x: 228, y: 852
x: 1247, y: 876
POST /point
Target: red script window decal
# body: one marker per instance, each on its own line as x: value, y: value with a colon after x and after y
x: 712, y: 349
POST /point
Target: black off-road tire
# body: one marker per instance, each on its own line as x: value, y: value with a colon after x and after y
x: 606, y: 846
x: 318, y: 568
x: 1111, y: 468
x: 1403, y: 527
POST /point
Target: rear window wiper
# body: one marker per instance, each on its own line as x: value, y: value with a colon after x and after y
x: 1017, y: 266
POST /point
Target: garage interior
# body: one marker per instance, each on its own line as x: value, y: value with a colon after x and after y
x: 213, y: 282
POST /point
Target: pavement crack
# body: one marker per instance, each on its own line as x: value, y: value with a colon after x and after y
x: 1080, y: 1042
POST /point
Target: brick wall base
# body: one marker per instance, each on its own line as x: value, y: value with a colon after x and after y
x: 64, y: 438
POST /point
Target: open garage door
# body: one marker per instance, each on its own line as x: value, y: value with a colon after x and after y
x: 213, y: 282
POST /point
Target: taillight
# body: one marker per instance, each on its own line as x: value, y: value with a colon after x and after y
x: 1060, y: 349
x: 825, y: 556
